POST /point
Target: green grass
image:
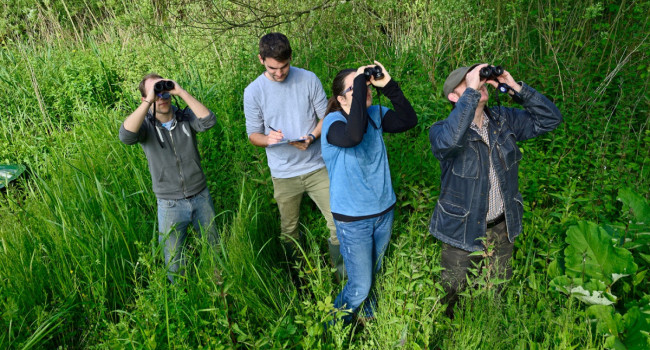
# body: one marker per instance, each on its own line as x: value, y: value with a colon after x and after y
x: 80, y: 266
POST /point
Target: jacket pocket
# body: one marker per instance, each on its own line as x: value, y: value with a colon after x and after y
x: 508, y: 150
x: 466, y: 164
x: 194, y: 173
x: 167, y: 175
x: 519, y: 212
x: 451, y: 220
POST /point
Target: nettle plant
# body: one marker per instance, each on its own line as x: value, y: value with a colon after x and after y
x: 596, y: 257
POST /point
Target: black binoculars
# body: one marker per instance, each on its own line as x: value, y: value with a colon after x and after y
x: 163, y: 85
x: 490, y: 72
x: 373, y: 72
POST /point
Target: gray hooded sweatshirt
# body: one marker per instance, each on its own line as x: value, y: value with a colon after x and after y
x: 174, y: 161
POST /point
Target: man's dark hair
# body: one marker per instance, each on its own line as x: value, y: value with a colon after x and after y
x: 275, y: 46
x: 144, y: 79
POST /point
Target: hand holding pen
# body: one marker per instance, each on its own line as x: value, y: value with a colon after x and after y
x: 274, y: 136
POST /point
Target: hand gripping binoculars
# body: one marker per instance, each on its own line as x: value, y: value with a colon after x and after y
x: 491, y: 73
x: 373, y: 72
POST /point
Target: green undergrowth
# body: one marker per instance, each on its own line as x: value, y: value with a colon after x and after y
x: 80, y: 264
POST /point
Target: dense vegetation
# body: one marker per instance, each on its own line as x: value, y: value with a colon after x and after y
x: 80, y: 266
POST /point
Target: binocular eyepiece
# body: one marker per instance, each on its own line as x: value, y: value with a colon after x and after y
x: 490, y: 72
x: 373, y: 72
x: 163, y: 85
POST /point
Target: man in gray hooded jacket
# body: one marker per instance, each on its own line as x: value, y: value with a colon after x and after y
x: 168, y: 137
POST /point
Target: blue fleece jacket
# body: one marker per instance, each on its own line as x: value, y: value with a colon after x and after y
x: 360, y: 183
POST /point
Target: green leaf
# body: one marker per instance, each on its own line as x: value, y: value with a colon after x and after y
x: 645, y: 257
x: 10, y: 172
x: 593, y: 292
x: 562, y: 284
x: 592, y: 297
x: 615, y: 343
x: 592, y: 255
x: 595, y: 284
x: 609, y: 322
x: 637, y: 324
x: 637, y: 204
x: 639, y: 277
x: 553, y: 269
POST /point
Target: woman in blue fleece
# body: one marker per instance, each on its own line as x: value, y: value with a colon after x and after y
x: 361, y: 193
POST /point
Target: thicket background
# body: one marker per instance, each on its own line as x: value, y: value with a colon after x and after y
x: 79, y: 262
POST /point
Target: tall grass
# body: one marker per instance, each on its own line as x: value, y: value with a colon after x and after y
x: 80, y: 266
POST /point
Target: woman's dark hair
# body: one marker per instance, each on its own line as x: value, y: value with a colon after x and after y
x: 275, y: 46
x: 338, y: 85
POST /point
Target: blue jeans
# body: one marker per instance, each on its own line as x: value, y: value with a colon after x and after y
x: 363, y: 244
x: 174, y: 218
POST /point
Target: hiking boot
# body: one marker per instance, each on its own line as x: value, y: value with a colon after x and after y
x: 337, y: 261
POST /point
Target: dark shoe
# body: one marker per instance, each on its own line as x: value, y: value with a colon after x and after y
x: 337, y: 261
x: 290, y: 252
x: 364, y: 321
x: 292, y: 247
x: 449, y: 311
x: 293, y: 263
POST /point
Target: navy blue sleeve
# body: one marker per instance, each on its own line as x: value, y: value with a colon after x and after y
x: 350, y: 134
x: 448, y: 136
x: 540, y: 115
x: 403, y: 117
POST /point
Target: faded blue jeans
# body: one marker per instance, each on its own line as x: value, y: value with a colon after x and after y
x: 363, y: 244
x: 174, y: 218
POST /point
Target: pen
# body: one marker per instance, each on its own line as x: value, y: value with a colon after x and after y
x: 270, y: 127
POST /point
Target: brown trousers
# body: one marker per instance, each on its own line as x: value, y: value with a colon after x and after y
x: 456, y: 262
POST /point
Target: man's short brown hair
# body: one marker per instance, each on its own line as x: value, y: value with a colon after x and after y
x: 144, y: 79
x: 276, y: 46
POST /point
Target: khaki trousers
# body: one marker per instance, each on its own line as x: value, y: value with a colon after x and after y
x: 288, y: 194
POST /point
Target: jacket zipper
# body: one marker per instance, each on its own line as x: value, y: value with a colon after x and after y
x: 488, y: 208
x: 503, y: 201
x: 178, y: 162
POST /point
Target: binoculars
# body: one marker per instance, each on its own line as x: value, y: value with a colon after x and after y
x: 163, y: 85
x: 373, y: 72
x: 490, y: 72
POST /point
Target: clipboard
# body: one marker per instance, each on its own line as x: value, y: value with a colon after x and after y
x: 286, y: 141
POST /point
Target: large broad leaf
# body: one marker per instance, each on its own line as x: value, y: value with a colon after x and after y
x: 629, y: 331
x: 593, y: 292
x: 10, y: 172
x: 609, y: 321
x: 592, y: 255
x: 637, y: 325
x: 564, y: 284
x: 637, y: 204
x: 593, y: 297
